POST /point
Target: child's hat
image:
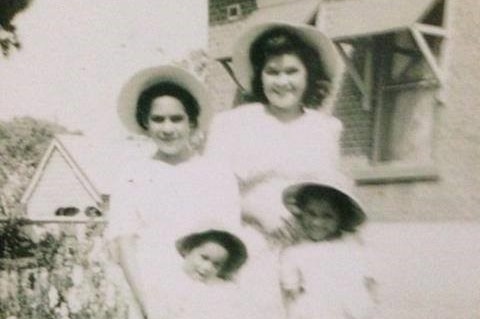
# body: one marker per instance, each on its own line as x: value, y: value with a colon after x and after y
x: 146, y: 78
x: 337, y: 189
x: 236, y: 248
x: 329, y: 57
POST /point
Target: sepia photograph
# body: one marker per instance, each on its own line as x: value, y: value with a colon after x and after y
x: 233, y: 159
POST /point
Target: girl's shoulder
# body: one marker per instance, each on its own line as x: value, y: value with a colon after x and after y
x: 242, y: 111
x: 325, y: 119
x: 336, y: 247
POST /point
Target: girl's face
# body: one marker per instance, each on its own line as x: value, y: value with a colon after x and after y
x: 204, y: 262
x: 319, y: 219
x: 169, y: 127
x: 284, y: 79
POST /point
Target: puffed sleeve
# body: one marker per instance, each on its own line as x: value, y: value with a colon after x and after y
x: 291, y: 281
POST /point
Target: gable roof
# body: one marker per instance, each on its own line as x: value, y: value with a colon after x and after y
x: 93, y: 161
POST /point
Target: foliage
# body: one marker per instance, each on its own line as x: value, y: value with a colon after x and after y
x: 23, y: 141
x: 66, y: 279
x: 14, y: 242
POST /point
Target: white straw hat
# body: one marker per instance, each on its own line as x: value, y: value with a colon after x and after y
x: 145, y: 78
x: 339, y: 186
x: 327, y: 52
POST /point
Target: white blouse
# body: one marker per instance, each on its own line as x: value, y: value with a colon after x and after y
x: 332, y: 277
x: 257, y: 145
x: 159, y: 203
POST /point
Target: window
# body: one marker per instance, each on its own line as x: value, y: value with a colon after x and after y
x: 234, y: 12
x: 398, y: 76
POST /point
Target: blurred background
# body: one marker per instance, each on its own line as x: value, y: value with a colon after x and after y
x: 409, y: 104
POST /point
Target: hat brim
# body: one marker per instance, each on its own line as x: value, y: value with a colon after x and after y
x: 142, y: 80
x: 356, y: 213
x: 325, y: 48
x: 238, y: 259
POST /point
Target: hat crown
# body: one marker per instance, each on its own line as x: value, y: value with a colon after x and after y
x: 146, y: 78
x: 310, y: 35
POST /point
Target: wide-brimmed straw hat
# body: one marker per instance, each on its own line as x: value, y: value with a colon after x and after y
x: 145, y: 78
x: 329, y: 57
x: 236, y: 248
x: 352, y: 211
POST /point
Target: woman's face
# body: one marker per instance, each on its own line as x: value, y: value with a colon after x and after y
x: 284, y: 79
x: 169, y: 127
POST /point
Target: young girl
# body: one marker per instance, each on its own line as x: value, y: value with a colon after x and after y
x: 200, y: 281
x: 322, y: 276
x: 212, y: 255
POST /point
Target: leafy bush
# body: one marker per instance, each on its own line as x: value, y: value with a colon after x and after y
x: 66, y: 276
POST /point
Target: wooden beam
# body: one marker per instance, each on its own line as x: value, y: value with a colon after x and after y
x: 57, y: 220
x: 430, y: 29
x: 427, y: 53
x: 368, y: 78
x: 226, y: 65
x: 443, y: 54
x: 410, y: 85
x: 406, y: 51
x: 357, y: 79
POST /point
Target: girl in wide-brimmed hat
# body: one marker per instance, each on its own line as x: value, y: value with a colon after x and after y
x: 290, y: 71
x: 322, y: 276
x: 200, y: 277
x: 161, y: 195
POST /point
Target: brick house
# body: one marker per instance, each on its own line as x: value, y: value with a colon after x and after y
x: 408, y: 102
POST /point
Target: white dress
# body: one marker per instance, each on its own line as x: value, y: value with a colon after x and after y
x: 260, y: 150
x: 180, y: 297
x: 159, y: 203
x: 257, y: 145
x: 332, y: 275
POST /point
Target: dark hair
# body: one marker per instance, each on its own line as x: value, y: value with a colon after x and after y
x: 282, y: 40
x: 144, y: 103
x: 237, y: 252
x: 342, y: 205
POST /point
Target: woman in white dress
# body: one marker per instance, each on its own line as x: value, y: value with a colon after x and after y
x: 290, y: 71
x: 170, y: 191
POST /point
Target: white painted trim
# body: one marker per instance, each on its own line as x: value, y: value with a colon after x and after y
x: 56, y: 144
x: 395, y: 172
x: 39, y: 172
x: 82, y: 177
x: 430, y: 29
x: 357, y: 78
x: 230, y: 16
x: 58, y: 220
x: 427, y: 53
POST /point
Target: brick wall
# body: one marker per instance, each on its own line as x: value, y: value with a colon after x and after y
x: 357, y: 122
x: 221, y: 85
x: 218, y: 9
x: 456, y: 148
